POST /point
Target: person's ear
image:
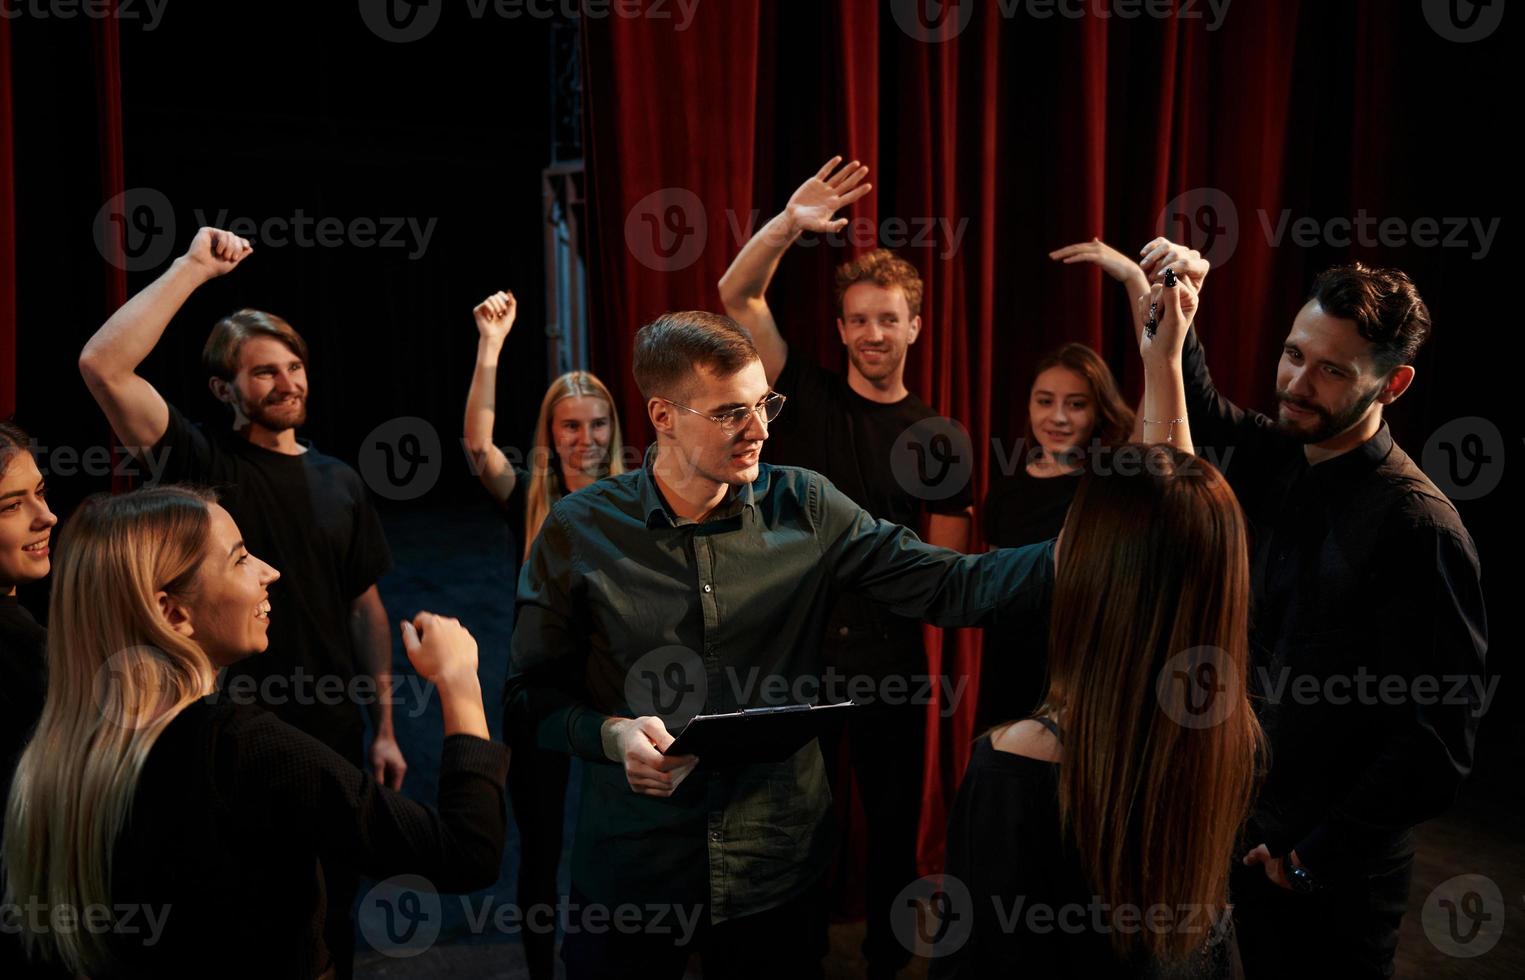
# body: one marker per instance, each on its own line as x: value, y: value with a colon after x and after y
x: 661, y: 415
x: 176, y: 616
x: 915, y: 331
x: 842, y: 331
x: 221, y: 390
x: 1397, y: 383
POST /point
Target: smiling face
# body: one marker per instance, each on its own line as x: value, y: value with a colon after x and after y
x: 1326, y: 381
x: 714, y: 456
x: 26, y: 523
x: 877, y: 327
x: 269, y: 387
x: 581, y: 429
x: 229, y: 613
x: 1061, y: 410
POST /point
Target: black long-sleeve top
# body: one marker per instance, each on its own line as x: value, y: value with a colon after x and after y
x: 236, y: 816
x: 1368, y: 632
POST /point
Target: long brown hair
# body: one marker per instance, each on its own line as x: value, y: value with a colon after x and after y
x: 1153, y: 581
x: 1114, y: 419
x: 546, y: 485
x: 117, y: 676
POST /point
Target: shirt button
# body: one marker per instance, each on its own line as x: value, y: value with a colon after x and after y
x: 707, y: 587
x: 715, y: 836
x: 842, y: 631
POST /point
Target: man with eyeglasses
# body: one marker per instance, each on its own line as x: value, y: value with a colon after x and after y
x: 702, y: 583
x: 849, y: 426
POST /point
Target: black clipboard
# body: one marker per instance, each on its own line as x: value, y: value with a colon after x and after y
x: 756, y: 734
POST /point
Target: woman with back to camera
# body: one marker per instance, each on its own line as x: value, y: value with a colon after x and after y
x: 194, y: 832
x: 1127, y: 790
x: 577, y: 441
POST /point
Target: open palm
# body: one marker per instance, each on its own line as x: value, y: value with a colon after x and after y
x: 817, y: 199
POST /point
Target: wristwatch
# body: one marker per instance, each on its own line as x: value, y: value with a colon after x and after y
x: 1300, y: 878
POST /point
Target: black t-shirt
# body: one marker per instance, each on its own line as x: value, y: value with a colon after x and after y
x: 238, y: 819
x: 827, y: 427
x: 310, y: 517
x: 1022, y: 509
x: 513, y: 510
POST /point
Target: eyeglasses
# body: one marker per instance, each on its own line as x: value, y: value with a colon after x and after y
x: 736, y: 419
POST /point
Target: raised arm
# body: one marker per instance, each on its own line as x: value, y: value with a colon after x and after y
x: 1124, y: 270
x: 495, y: 318
x: 745, y: 283
x: 1164, y: 413
x: 110, y: 359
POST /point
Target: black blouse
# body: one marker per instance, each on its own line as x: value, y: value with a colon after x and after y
x: 237, y: 814
x: 1024, y: 879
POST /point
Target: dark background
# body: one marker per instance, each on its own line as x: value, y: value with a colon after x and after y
x: 1039, y: 132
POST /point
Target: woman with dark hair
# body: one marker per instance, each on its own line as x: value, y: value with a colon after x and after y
x: 576, y: 442
x: 1095, y: 838
x: 1074, y: 412
x: 211, y: 823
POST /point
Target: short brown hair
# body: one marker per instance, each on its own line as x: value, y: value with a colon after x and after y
x: 671, y: 347
x: 1385, y: 305
x: 220, y: 355
x: 882, y: 268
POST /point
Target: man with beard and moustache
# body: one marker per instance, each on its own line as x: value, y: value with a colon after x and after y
x: 1360, y: 568
x: 846, y: 427
x: 306, y: 513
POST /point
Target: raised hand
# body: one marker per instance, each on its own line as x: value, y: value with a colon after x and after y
x: 1173, y: 302
x: 440, y: 648
x: 495, y: 316
x: 817, y: 199
x: 1162, y: 253
x: 1100, y: 254
x: 215, y: 252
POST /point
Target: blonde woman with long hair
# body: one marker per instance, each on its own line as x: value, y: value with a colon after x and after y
x: 577, y: 441
x: 188, y: 834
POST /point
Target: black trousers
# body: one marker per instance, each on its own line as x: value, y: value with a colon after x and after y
x: 537, y: 791
x: 886, y: 748
x: 767, y: 946
x: 1348, y: 929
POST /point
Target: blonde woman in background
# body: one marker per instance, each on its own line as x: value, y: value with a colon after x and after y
x: 577, y: 441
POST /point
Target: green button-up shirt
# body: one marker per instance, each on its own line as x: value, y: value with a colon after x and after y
x: 618, y: 594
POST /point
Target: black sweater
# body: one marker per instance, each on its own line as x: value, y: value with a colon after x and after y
x: 235, y: 818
